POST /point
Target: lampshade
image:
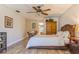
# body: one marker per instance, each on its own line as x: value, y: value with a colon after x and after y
x: 77, y: 28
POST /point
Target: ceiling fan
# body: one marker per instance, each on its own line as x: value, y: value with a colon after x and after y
x: 39, y: 10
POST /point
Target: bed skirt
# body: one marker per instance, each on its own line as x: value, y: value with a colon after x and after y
x: 49, y: 47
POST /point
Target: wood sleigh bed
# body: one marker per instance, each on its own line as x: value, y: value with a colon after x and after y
x: 67, y: 27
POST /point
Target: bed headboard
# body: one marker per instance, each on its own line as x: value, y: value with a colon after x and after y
x: 70, y: 28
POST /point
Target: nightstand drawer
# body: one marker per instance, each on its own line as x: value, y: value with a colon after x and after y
x: 74, y: 48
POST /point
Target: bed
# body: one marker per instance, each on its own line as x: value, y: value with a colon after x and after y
x: 57, y: 41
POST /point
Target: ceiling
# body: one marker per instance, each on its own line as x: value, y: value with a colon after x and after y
x: 56, y: 9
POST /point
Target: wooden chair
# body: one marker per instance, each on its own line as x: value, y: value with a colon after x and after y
x: 32, y: 34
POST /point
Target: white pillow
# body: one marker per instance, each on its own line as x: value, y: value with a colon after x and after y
x: 66, y: 40
x: 60, y: 33
x: 65, y: 34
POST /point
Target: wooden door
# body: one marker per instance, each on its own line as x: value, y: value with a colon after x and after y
x: 51, y: 27
x: 48, y: 28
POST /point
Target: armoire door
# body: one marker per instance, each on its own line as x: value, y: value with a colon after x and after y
x: 51, y: 27
x: 48, y: 28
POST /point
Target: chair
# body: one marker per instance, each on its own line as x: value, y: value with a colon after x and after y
x: 31, y: 34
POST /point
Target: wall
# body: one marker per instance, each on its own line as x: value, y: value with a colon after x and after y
x: 29, y: 24
x: 71, y: 16
x: 17, y: 32
x: 36, y: 20
x: 39, y: 20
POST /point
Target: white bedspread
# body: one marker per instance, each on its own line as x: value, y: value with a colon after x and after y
x: 46, y: 40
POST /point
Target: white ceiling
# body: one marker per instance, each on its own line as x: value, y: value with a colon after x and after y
x: 56, y: 9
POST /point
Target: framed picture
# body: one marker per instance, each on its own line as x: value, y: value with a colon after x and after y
x: 33, y: 25
x: 8, y: 22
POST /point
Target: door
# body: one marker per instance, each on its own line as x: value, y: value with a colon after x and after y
x: 51, y: 27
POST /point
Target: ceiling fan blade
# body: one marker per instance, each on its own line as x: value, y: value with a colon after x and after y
x: 35, y: 8
x: 30, y: 12
x: 47, y: 10
x: 44, y: 13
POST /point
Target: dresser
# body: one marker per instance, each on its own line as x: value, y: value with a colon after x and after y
x: 51, y: 27
x: 3, y: 41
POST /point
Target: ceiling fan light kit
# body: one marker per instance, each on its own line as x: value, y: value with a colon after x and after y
x: 17, y: 11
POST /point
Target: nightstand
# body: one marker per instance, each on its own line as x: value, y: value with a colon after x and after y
x: 74, y: 48
x: 74, y: 45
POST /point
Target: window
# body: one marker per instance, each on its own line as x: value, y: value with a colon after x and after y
x: 41, y: 27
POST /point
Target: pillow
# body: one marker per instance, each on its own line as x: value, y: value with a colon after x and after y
x: 60, y: 33
x: 65, y: 34
x: 66, y: 40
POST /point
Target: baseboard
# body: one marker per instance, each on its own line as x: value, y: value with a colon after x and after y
x: 14, y: 42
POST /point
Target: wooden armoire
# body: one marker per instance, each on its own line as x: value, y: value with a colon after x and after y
x: 51, y: 27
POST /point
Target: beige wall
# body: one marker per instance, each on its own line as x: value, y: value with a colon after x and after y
x: 37, y: 21
x: 16, y: 33
x: 29, y: 24
x: 71, y: 16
